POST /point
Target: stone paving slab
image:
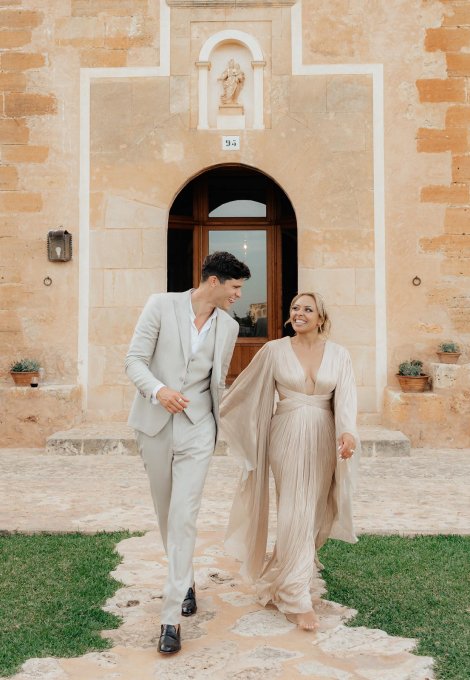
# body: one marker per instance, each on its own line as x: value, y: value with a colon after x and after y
x: 427, y: 492
x: 231, y: 637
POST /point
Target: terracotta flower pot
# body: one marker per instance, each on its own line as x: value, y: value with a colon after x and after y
x: 413, y: 383
x: 24, y: 378
x: 448, y: 357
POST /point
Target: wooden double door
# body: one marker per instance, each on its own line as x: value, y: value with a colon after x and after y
x: 244, y: 212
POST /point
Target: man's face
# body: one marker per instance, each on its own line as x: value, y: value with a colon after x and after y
x: 227, y: 293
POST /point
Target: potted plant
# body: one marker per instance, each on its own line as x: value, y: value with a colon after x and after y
x: 448, y: 352
x: 24, y: 371
x: 411, y: 377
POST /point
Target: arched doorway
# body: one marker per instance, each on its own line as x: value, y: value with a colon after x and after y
x: 243, y: 211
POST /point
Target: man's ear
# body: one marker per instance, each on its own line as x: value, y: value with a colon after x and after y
x: 213, y: 281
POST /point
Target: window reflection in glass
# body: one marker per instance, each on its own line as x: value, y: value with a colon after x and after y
x: 240, y: 209
x: 251, y: 311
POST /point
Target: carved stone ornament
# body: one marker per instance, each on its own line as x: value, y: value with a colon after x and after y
x: 232, y: 80
x: 230, y: 3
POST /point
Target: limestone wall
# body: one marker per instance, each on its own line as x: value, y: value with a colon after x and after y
x: 145, y: 145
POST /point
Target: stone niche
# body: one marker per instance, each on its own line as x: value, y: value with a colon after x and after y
x: 230, y: 90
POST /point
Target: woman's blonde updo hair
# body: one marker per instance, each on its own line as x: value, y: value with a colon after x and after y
x: 325, y: 323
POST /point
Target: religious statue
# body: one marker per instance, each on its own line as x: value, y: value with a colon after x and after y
x: 232, y: 81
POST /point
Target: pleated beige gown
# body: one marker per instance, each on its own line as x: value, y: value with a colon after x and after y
x: 297, y: 437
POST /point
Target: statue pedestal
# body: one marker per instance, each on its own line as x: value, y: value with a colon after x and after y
x: 231, y: 117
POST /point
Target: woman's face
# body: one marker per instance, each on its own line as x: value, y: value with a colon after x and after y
x: 304, y: 315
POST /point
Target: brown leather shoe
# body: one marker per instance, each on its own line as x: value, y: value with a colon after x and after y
x: 189, y: 606
x: 170, y: 639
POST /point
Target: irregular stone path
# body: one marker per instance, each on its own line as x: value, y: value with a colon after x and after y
x: 231, y: 637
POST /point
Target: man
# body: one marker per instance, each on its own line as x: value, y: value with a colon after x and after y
x: 178, y: 359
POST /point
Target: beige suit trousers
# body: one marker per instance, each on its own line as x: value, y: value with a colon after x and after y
x: 176, y: 461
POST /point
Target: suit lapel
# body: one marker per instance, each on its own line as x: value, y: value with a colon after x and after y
x: 182, y: 317
x: 220, y: 337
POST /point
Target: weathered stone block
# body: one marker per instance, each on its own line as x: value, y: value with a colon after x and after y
x: 20, y: 19
x: 349, y: 93
x: 383, y: 443
x: 21, y: 61
x: 8, y: 177
x: 451, y: 244
x: 102, y: 439
x: 103, y: 58
x: 80, y: 31
x: 130, y: 287
x: 430, y: 140
x: 456, y: 193
x: 12, y: 39
x: 123, y: 213
x: 444, y: 376
x: 458, y: 116
x: 20, y: 153
x: 458, y: 64
x: 19, y: 201
x: 116, y: 249
x: 129, y: 31
x: 109, y: 7
x: 458, y: 266
x: 112, y: 326
x: 19, y: 105
x: 28, y: 416
x: 457, y: 220
x: 13, y: 132
x: 447, y: 39
x: 459, y: 16
x: 12, y: 82
x: 461, y: 168
x: 435, y: 90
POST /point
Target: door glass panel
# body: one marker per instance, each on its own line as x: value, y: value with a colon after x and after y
x: 240, y: 209
x: 251, y: 310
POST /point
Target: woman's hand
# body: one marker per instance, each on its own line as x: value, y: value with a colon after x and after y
x: 346, y: 446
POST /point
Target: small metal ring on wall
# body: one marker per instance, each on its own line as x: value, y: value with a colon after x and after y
x: 47, y: 281
x: 416, y: 281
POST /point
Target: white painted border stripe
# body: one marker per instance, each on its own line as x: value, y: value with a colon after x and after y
x: 298, y: 68
x: 86, y: 76
x: 378, y: 131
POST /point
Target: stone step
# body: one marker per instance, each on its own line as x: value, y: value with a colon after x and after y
x: 102, y: 438
x: 379, y: 442
x: 119, y: 439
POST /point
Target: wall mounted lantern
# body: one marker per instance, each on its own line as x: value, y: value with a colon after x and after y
x: 59, y: 246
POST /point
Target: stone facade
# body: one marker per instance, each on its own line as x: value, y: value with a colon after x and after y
x: 110, y: 108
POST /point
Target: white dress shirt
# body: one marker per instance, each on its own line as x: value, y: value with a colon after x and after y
x: 197, y: 338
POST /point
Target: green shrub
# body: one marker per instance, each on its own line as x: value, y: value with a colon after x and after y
x: 24, y: 365
x: 412, y: 367
x: 449, y: 347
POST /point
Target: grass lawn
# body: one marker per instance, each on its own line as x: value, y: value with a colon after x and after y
x: 413, y: 587
x: 52, y: 588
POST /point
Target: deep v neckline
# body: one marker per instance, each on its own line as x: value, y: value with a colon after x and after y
x: 302, y: 370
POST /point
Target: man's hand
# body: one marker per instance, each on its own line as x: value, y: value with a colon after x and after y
x: 171, y: 400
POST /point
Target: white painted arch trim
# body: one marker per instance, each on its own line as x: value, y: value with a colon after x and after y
x: 87, y: 75
x: 378, y: 135
x: 231, y: 36
x: 257, y: 63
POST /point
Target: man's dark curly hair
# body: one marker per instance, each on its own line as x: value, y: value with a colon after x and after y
x: 225, y: 266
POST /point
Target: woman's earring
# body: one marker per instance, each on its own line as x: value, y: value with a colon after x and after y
x: 286, y: 323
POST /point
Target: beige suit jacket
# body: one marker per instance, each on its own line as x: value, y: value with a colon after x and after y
x: 160, y: 349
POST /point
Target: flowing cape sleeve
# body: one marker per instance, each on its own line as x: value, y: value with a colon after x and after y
x: 345, y: 408
x: 246, y: 413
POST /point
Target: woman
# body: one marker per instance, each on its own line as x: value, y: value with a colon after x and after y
x: 309, y: 443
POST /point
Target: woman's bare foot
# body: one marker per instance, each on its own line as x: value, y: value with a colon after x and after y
x: 306, y: 620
